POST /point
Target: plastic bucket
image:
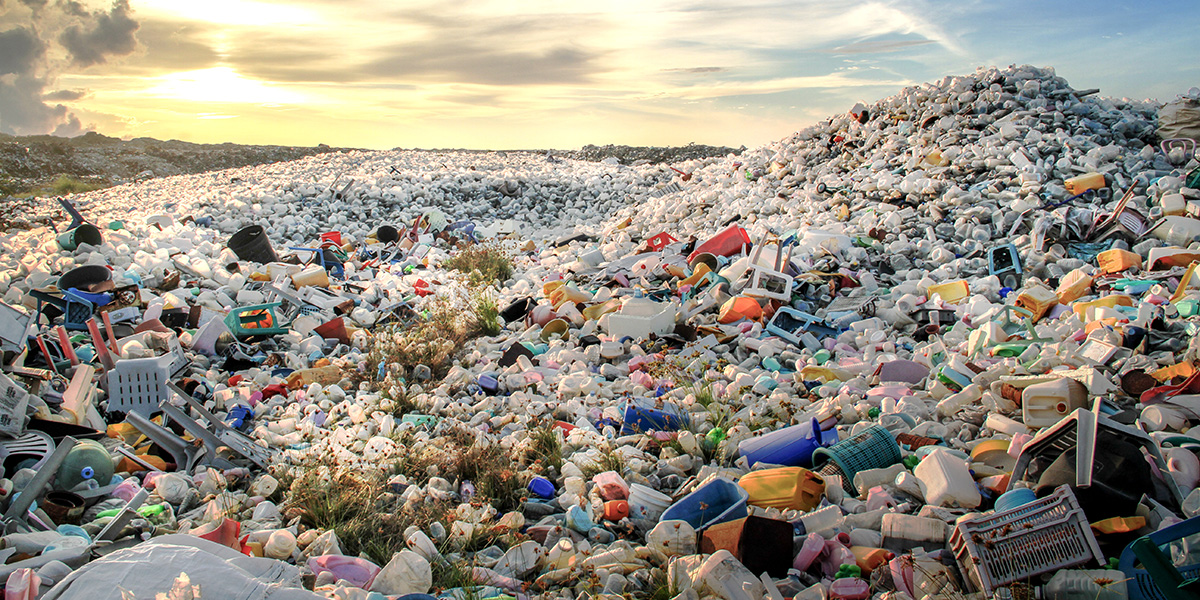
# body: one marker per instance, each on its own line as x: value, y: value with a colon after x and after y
x: 251, y: 244
x: 83, y: 278
x: 1014, y: 498
x: 64, y: 508
x: 788, y: 447
x: 84, y: 234
x: 647, y: 503
x: 717, y: 501
x: 387, y: 234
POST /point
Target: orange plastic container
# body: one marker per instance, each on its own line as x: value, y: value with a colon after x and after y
x: 1074, y: 286
x: 740, y: 308
x: 1085, y: 182
x: 784, y: 488
x: 1117, y: 260
x: 869, y: 559
x: 1037, y: 300
x: 615, y: 510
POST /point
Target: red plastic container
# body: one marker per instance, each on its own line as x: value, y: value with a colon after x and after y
x: 727, y: 243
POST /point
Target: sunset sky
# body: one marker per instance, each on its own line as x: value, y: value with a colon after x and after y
x: 542, y: 74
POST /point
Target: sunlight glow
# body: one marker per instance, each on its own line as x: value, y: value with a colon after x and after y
x: 232, y: 12
x: 220, y: 84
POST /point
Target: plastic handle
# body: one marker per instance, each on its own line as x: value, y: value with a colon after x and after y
x: 816, y: 431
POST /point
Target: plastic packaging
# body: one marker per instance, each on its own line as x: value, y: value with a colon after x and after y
x: 717, y: 501
x: 784, y: 488
x: 790, y: 447
x: 947, y: 480
x: 1044, y: 404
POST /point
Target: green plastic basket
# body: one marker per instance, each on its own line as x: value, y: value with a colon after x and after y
x: 874, y: 448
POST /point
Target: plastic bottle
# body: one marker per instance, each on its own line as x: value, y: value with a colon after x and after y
x: 822, y: 519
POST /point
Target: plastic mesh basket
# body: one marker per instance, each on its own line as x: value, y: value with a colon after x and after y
x: 139, y: 384
x: 1042, y: 536
x: 874, y: 448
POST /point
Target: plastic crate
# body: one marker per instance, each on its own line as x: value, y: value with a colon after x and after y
x: 139, y: 384
x: 1042, y: 536
x: 873, y: 448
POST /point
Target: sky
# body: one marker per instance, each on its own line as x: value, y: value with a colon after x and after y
x: 535, y: 74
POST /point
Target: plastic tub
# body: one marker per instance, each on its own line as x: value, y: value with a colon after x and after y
x: 357, y: 572
x: 717, y: 501
x: 84, y: 234
x: 789, y: 447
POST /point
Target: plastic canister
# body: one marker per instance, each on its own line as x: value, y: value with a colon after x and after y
x: 947, y: 480
x: 1091, y: 584
x: 823, y: 519
x: 88, y: 460
x: 849, y: 588
x: 784, y: 488
x: 1044, y: 404
x: 1083, y: 183
x: 903, y: 532
x: 1037, y: 300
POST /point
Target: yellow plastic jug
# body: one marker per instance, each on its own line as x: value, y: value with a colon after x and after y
x: 1083, y: 183
x: 784, y: 488
x: 1037, y: 300
x: 951, y: 292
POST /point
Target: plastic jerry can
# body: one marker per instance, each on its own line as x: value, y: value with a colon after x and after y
x: 1091, y: 584
x: 1044, y: 404
x: 1117, y: 260
x: 1085, y: 182
x: 1073, y: 286
x: 784, y: 488
x: 88, y: 460
x: 1037, y: 300
x: 947, y: 480
x: 790, y: 447
x: 869, y: 559
x: 326, y: 375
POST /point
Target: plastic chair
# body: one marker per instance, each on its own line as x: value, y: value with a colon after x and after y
x: 139, y: 384
x: 1079, y: 431
x: 1159, y: 579
x: 790, y: 324
x: 1005, y: 263
x: 255, y: 320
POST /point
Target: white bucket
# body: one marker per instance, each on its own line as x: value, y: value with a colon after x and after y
x: 646, y: 503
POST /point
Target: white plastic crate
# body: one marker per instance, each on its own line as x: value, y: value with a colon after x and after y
x: 139, y: 384
x: 1042, y: 536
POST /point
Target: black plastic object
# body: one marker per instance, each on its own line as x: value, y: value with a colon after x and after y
x: 517, y: 310
x: 1120, y: 475
x: 387, y: 234
x: 252, y: 244
x: 82, y: 278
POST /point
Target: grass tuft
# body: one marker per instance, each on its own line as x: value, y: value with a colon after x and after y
x: 483, y: 264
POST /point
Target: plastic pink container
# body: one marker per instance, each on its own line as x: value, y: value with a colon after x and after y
x: 612, y: 486
x: 810, y: 551
x: 356, y: 571
x: 849, y: 588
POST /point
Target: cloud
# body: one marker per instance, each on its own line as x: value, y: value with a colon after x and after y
x: 463, y: 61
x: 174, y: 45
x: 696, y: 70
x: 28, y: 72
x: 66, y: 95
x: 20, y: 50
x: 877, y: 47
x: 108, y: 34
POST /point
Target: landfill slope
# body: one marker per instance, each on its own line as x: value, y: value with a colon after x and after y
x: 857, y: 362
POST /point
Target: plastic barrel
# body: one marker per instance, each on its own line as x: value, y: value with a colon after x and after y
x: 87, y: 460
x: 252, y: 244
x: 874, y: 448
x: 84, y: 234
x: 640, y: 419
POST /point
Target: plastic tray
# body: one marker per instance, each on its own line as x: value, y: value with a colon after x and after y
x: 1043, y: 536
